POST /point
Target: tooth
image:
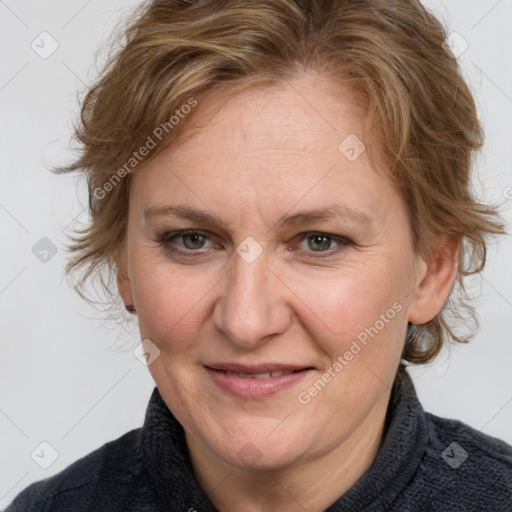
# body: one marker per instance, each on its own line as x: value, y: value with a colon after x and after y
x: 263, y: 375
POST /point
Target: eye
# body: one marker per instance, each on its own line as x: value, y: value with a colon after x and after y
x: 184, y: 242
x: 318, y: 242
x: 197, y: 243
x: 193, y: 240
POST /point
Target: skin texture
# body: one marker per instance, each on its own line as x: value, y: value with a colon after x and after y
x: 269, y: 153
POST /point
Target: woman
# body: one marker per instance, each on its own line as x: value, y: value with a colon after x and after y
x: 281, y: 191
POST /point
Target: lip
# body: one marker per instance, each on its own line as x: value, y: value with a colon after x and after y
x: 251, y: 387
x: 257, y: 368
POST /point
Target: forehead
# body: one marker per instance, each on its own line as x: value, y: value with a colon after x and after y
x: 265, y: 148
x: 293, y: 115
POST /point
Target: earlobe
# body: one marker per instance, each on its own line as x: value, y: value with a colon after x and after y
x: 436, y: 282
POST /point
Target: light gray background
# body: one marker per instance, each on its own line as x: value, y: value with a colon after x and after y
x: 63, y: 378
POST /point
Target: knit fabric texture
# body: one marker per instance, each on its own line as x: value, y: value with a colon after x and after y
x: 425, y: 464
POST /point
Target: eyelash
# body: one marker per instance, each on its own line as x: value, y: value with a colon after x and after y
x: 167, y: 238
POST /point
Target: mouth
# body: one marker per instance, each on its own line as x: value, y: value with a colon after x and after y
x: 262, y: 375
x: 255, y: 381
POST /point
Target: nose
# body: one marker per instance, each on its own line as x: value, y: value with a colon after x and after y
x: 253, y: 306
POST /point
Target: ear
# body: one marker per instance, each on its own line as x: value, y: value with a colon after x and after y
x: 123, y: 282
x: 437, y: 277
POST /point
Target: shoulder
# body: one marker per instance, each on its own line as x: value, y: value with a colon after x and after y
x: 481, y: 448
x: 464, y: 469
x: 117, y: 462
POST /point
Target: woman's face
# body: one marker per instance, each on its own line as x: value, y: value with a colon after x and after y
x: 297, y: 258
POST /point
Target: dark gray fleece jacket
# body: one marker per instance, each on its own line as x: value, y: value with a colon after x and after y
x: 425, y: 464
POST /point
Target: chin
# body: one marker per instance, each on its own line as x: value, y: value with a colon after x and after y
x: 252, y: 458
x: 263, y: 452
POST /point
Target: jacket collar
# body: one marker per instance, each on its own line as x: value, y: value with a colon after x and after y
x: 399, y: 457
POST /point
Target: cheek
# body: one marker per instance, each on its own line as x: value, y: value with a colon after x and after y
x: 170, y: 303
x: 354, y: 303
x: 365, y: 321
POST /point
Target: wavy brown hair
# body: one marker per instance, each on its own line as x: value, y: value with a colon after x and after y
x: 391, y: 53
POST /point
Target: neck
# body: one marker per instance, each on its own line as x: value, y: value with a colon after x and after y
x: 312, y: 483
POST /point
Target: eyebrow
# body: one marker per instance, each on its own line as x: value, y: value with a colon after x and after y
x: 296, y: 219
